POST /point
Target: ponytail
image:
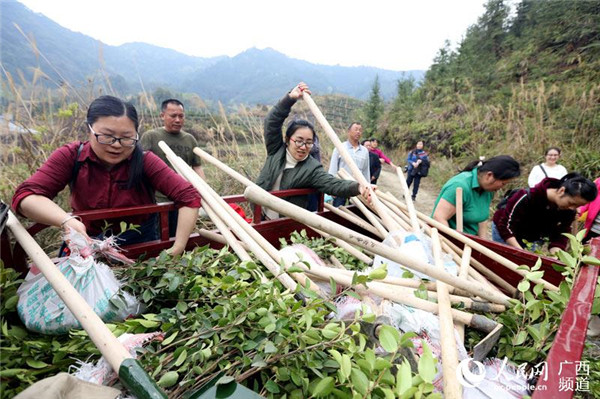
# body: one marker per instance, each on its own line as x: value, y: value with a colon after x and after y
x: 578, y: 186
x: 503, y: 167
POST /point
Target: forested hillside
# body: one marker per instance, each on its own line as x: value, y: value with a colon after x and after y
x: 518, y: 83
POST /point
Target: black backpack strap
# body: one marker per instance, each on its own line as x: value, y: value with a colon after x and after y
x: 76, y: 167
x: 543, y: 170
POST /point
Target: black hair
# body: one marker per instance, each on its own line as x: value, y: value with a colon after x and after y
x: 113, y: 106
x: 578, y: 186
x: 364, y: 141
x: 503, y: 167
x: 163, y: 106
x: 372, y: 139
x: 297, y: 124
x: 552, y: 148
x: 354, y: 123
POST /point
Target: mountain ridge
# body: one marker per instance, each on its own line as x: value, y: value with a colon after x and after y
x: 252, y: 76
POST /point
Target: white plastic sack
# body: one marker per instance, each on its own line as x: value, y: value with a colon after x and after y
x: 101, y: 372
x: 41, y: 309
x: 416, y: 246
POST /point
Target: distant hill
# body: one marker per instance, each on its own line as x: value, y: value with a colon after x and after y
x: 254, y: 76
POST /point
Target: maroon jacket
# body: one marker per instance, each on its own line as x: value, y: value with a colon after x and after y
x: 99, y: 188
x: 532, y: 217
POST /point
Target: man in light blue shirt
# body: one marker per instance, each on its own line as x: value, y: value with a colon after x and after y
x: 358, y: 153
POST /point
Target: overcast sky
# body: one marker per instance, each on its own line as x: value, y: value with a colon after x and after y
x: 392, y: 34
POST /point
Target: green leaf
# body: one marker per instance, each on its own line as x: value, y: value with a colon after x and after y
x: 294, y: 269
x: 379, y: 274
x: 323, y: 387
x: 345, y: 366
x: 389, y: 338
x: 170, y: 339
x: 403, y: 378
x: 226, y: 379
x: 147, y: 295
x: 168, y: 379
x: 272, y: 386
x: 270, y: 347
x: 567, y: 259
x: 426, y: 367
x: 270, y: 328
x: 535, y: 275
x: 148, y: 323
x: 538, y: 289
x: 590, y: 260
x: 181, y: 358
x: 36, y: 364
x: 354, y: 295
x: 519, y: 338
x: 332, y: 285
x: 359, y: 381
x: 524, y: 286
x: 596, y: 306
x: 7, y: 373
x: 535, y: 333
x: 336, y: 355
x: 11, y: 302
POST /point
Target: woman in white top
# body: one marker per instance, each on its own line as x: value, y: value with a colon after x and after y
x: 550, y: 168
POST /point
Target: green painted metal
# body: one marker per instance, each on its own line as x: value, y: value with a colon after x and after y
x: 138, y: 382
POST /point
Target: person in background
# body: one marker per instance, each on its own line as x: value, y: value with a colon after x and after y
x: 357, y: 152
x: 544, y: 211
x: 417, y: 159
x: 182, y: 143
x: 478, y: 180
x: 380, y: 154
x: 289, y: 164
x: 110, y: 170
x: 592, y: 216
x: 549, y: 168
x: 374, y: 162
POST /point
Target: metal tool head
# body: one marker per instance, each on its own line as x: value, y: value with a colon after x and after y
x: 485, y: 345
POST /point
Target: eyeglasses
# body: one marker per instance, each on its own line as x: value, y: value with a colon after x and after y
x: 108, y: 140
x: 300, y: 143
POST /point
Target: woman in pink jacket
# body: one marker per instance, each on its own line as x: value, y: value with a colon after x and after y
x: 592, y: 220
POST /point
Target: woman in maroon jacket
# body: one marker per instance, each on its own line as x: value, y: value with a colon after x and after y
x: 108, y: 171
x: 544, y: 211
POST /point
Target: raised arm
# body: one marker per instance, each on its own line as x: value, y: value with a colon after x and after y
x: 276, y: 116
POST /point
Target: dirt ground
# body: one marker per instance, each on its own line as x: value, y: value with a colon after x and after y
x: 388, y: 181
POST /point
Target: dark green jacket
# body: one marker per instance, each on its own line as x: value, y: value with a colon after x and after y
x: 306, y: 174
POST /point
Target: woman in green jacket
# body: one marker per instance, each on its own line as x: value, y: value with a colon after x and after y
x: 289, y: 164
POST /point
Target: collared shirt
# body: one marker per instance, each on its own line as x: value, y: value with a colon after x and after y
x: 476, y: 202
x: 97, y: 187
x: 360, y: 155
x: 182, y: 144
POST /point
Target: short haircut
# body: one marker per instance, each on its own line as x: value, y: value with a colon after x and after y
x: 364, y: 141
x: 163, y: 106
x: 354, y: 123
